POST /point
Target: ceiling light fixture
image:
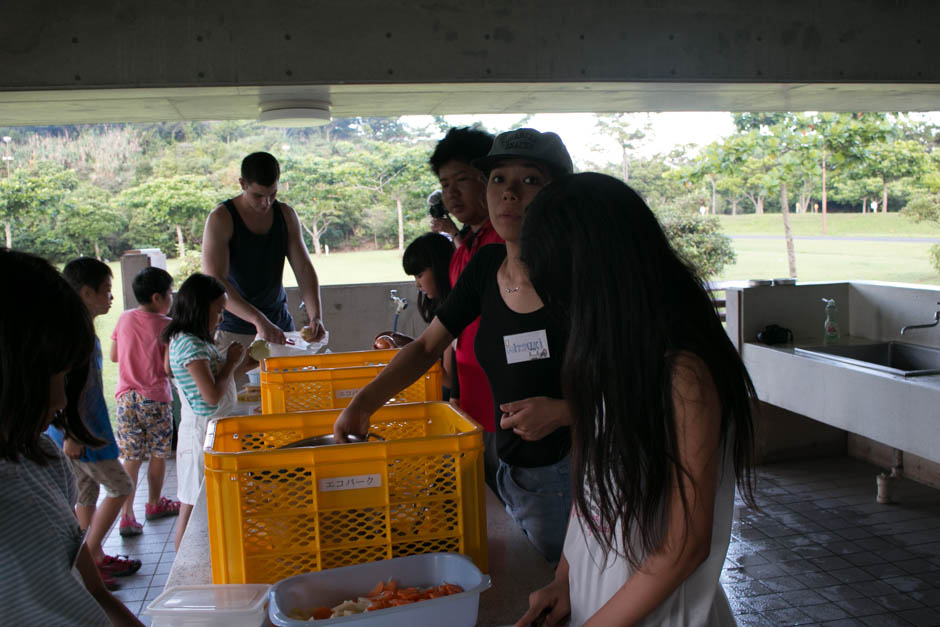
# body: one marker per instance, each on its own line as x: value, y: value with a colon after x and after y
x: 295, y: 113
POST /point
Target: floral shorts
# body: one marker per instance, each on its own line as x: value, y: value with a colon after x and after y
x: 144, y: 427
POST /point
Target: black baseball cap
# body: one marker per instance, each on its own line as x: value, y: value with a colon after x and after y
x: 527, y: 143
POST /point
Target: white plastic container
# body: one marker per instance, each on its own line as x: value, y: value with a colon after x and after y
x: 232, y: 605
x: 331, y: 587
x: 254, y: 376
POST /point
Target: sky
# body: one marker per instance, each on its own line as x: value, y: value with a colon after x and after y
x: 586, y: 144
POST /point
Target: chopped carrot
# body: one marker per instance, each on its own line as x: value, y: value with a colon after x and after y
x: 322, y: 613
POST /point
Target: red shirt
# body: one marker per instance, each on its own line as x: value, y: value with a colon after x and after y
x: 475, y: 396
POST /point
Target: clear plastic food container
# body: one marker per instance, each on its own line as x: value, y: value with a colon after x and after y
x: 232, y: 605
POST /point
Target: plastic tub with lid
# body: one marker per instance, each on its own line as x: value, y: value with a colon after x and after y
x: 232, y: 605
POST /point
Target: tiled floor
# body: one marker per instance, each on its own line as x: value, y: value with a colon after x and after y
x: 823, y: 552
x: 154, y: 548
x: 820, y: 551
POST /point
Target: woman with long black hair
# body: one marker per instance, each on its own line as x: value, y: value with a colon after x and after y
x: 661, y: 413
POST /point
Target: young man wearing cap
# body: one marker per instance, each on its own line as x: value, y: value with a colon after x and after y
x: 519, y: 344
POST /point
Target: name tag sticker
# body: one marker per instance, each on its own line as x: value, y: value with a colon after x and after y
x: 355, y: 482
x: 526, y: 346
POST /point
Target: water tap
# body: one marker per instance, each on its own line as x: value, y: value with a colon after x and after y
x: 936, y: 320
x: 400, y: 303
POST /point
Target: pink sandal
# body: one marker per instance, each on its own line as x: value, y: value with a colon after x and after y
x: 165, y: 507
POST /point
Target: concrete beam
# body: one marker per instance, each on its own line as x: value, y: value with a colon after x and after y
x: 117, y: 44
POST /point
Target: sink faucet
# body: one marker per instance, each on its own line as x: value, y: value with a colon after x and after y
x: 936, y: 320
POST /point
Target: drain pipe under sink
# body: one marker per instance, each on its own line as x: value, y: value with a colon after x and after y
x: 887, y: 482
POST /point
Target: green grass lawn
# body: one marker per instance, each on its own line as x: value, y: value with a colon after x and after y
x: 816, y: 260
x: 833, y: 260
x: 837, y: 225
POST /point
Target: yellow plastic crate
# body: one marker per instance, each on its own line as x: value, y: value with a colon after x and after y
x: 309, y: 382
x: 274, y: 513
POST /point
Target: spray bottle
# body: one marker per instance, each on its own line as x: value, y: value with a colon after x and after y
x: 831, y: 327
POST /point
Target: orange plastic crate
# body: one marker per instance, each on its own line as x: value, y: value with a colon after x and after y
x: 274, y: 513
x: 330, y: 380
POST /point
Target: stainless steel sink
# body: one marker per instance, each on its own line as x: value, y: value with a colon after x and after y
x: 906, y: 360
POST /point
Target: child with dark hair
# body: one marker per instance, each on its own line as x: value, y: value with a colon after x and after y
x: 144, y: 397
x: 46, y: 342
x: 427, y: 259
x: 97, y: 466
x: 661, y: 413
x: 203, y: 376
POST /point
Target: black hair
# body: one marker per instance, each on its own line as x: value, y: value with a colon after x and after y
x: 40, y: 336
x: 190, y: 310
x: 86, y: 272
x: 597, y: 255
x: 431, y: 250
x: 261, y: 168
x: 461, y: 144
x: 150, y: 281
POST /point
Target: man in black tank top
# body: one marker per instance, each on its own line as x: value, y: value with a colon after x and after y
x: 245, y: 242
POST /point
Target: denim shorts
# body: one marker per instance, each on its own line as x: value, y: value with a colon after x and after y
x: 539, y: 500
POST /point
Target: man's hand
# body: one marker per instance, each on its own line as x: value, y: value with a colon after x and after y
x: 72, y: 449
x: 314, y: 332
x: 534, y: 418
x: 269, y: 333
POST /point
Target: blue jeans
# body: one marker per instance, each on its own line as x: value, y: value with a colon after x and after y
x: 539, y: 500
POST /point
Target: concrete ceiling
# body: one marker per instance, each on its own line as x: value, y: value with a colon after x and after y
x: 243, y: 102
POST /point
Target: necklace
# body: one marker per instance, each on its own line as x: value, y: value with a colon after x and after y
x: 510, y: 290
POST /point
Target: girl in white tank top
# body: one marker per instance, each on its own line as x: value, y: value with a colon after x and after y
x: 661, y: 405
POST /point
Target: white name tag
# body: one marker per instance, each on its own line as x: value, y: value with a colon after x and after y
x: 526, y: 346
x: 355, y: 482
x: 347, y: 393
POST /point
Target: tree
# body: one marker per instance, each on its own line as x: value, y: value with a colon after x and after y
x: 32, y: 193
x: 628, y: 131
x: 90, y: 221
x: 397, y: 174
x: 160, y: 206
x: 893, y: 160
x: 318, y: 188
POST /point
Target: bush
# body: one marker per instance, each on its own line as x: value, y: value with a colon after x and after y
x: 699, y: 240
x: 190, y: 263
x: 934, y: 254
x: 923, y: 207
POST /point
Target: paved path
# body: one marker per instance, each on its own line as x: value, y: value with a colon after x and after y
x: 851, y: 238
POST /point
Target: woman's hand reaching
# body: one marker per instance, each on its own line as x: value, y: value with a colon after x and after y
x: 350, y: 422
x: 534, y: 418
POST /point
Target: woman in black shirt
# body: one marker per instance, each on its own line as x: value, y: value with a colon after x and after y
x: 519, y: 345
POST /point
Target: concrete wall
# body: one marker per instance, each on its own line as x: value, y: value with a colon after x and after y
x: 72, y: 62
x: 354, y: 314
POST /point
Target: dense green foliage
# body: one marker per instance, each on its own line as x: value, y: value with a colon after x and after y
x: 361, y: 183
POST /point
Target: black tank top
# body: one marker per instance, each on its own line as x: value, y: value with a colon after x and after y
x: 255, y: 270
